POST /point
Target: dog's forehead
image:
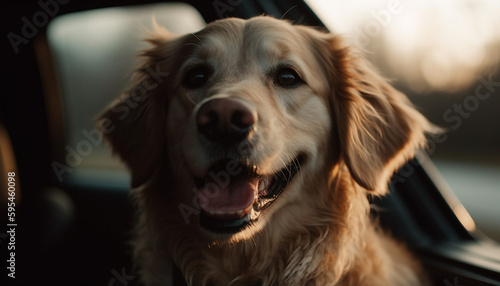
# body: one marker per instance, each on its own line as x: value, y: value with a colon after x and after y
x: 250, y: 39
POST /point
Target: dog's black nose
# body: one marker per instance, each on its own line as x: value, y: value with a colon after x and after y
x: 225, y: 120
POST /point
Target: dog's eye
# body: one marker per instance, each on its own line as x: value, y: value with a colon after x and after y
x: 196, y: 77
x: 287, y: 77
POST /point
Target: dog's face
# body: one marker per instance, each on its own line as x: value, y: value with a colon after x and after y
x: 251, y: 120
x: 252, y: 114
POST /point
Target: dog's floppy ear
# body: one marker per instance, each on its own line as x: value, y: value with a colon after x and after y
x: 134, y: 124
x: 378, y: 128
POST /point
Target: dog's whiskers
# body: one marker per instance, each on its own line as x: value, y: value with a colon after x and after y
x: 190, y: 99
x: 291, y: 8
x: 196, y: 36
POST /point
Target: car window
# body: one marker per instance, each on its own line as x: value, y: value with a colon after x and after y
x: 445, y: 56
x: 95, y: 53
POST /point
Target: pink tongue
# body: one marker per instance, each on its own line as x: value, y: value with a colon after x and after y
x: 234, y: 194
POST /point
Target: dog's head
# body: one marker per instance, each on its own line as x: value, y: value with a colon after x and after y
x: 252, y: 116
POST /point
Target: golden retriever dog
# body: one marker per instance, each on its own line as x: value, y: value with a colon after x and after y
x: 253, y: 146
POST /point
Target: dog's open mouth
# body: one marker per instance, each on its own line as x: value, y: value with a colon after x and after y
x: 233, y: 194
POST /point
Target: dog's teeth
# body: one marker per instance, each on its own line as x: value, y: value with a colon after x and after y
x: 263, y: 183
x: 238, y: 212
x: 223, y: 213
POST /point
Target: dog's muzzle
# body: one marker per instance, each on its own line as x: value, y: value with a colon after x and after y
x: 234, y: 192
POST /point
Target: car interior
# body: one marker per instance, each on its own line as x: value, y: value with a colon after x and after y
x: 72, y: 207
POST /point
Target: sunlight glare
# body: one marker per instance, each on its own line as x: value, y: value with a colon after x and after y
x: 430, y: 45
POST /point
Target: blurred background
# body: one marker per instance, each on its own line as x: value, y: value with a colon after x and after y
x: 445, y: 55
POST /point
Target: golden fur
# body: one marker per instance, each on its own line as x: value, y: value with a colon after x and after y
x: 353, y: 127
